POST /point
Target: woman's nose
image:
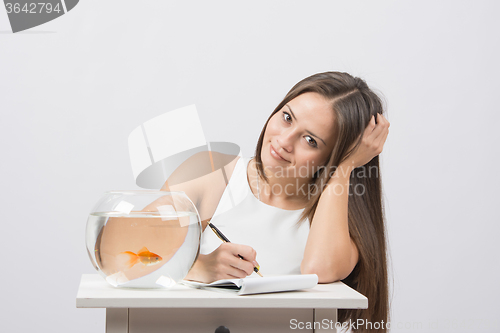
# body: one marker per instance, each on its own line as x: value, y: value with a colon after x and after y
x: 286, y: 141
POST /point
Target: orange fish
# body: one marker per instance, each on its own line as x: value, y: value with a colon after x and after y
x: 144, y: 256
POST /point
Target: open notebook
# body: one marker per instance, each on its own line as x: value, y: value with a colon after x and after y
x: 259, y: 285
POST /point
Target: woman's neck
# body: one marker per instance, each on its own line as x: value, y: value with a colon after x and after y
x: 279, y: 191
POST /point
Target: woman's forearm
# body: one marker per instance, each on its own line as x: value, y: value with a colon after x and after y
x: 330, y: 252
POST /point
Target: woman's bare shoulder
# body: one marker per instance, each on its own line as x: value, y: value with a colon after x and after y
x: 216, y: 181
x: 211, y: 186
x: 226, y: 161
x: 200, y: 175
x: 202, y: 164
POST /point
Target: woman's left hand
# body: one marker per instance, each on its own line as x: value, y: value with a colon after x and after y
x: 371, y: 144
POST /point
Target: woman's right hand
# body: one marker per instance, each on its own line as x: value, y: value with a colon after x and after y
x: 224, y: 263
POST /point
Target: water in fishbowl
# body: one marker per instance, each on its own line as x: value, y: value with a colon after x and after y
x: 143, y: 249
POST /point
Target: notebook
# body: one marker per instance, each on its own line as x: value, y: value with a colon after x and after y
x: 259, y: 285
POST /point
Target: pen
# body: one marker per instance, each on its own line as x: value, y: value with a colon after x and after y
x: 223, y: 238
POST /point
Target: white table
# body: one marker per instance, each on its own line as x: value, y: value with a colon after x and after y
x: 184, y: 309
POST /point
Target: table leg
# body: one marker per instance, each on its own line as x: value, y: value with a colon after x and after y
x: 327, y: 319
x: 117, y: 320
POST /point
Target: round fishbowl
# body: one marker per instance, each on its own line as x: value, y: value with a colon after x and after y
x: 143, y: 239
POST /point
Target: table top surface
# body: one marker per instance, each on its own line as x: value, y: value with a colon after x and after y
x: 95, y: 292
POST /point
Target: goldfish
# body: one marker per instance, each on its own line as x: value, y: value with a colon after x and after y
x: 144, y: 256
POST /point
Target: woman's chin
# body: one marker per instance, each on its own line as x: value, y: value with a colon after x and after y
x: 270, y: 165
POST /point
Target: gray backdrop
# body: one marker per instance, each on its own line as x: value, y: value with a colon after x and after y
x: 73, y: 89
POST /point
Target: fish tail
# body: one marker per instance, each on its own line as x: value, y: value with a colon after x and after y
x: 127, y: 259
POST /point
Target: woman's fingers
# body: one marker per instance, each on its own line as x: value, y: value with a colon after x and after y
x: 247, y: 252
x: 379, y: 141
x: 249, y: 255
x: 233, y: 273
x: 242, y: 266
x: 374, y: 138
x: 233, y: 260
x: 374, y: 130
x: 370, y: 127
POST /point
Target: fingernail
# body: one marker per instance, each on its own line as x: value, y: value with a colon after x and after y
x: 255, y: 264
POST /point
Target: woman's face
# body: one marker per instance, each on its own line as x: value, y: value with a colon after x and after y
x: 299, y: 137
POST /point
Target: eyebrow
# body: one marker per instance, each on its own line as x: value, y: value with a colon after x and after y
x: 289, y: 108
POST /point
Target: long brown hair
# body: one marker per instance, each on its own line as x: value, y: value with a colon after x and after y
x: 353, y: 104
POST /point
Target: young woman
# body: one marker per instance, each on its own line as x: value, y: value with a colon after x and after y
x: 310, y: 200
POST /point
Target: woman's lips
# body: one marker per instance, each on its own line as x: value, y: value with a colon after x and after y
x: 275, y: 154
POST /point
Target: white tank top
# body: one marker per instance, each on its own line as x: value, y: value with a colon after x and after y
x: 271, y: 231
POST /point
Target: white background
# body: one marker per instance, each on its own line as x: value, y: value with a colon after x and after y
x: 73, y: 89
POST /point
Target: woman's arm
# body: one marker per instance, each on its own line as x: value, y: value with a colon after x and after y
x: 330, y: 252
x: 197, y: 179
x: 206, y: 191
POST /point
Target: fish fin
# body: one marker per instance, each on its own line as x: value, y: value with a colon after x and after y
x: 144, y: 249
x: 127, y: 259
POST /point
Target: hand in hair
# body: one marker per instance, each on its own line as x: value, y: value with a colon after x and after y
x: 372, y: 143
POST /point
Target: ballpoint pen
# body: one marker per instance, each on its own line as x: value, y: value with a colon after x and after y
x: 223, y: 238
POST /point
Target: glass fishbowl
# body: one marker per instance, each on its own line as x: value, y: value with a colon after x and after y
x: 143, y: 239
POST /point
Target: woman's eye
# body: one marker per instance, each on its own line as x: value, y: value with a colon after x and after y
x: 311, y: 141
x: 287, y: 117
